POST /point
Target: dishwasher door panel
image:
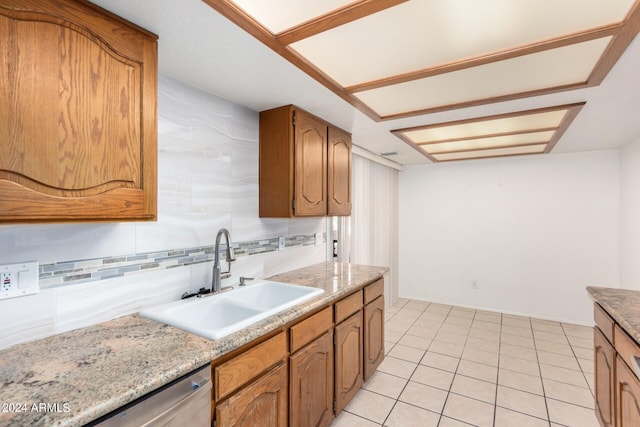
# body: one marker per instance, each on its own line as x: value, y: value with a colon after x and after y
x: 186, y: 401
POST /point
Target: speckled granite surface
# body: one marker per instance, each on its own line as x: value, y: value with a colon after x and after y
x: 622, y: 304
x: 89, y: 372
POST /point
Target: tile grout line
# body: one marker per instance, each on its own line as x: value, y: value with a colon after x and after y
x: 414, y: 370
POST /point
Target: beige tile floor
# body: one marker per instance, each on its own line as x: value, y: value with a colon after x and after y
x: 448, y: 366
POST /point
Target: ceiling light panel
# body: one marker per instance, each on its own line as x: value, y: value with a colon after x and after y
x: 514, y: 124
x: 492, y: 142
x: 421, y: 34
x: 555, y: 68
x: 499, y: 152
x: 280, y: 15
x: 524, y: 132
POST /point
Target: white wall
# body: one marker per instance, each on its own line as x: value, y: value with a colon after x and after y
x: 531, y: 231
x: 207, y: 179
x: 630, y: 215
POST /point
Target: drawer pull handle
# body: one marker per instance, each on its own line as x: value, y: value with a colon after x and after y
x: 635, y: 364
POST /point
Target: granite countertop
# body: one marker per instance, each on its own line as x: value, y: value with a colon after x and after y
x: 622, y: 304
x: 89, y: 372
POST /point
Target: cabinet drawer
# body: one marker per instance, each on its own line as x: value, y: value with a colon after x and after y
x: 628, y: 349
x: 348, y: 306
x: 604, y: 322
x: 232, y: 374
x: 373, y: 291
x: 311, y: 328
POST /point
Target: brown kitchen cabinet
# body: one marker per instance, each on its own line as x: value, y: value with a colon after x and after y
x: 311, y: 384
x: 304, y: 165
x: 324, y: 358
x: 262, y: 403
x: 627, y: 395
x: 617, y: 387
x: 311, y: 371
x: 373, y: 327
x: 251, y: 389
x: 605, y: 378
x: 79, y: 115
x: 339, y: 173
x: 349, y: 357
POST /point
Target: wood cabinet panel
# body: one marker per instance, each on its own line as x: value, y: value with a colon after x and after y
x: 311, y: 328
x: 236, y: 372
x: 80, y: 124
x: 339, y: 173
x: 605, y: 379
x: 348, y: 360
x: 311, y: 166
x: 347, y: 306
x: 604, y: 322
x: 262, y: 403
x: 626, y: 347
x: 311, y: 384
x: 373, y: 291
x: 373, y: 336
x: 627, y: 396
x: 276, y: 163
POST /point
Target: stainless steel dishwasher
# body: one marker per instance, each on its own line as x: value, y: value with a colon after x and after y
x: 183, y: 402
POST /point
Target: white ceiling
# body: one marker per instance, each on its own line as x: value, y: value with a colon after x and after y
x: 202, y: 48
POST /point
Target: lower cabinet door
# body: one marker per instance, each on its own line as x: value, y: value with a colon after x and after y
x: 311, y: 384
x: 349, y: 360
x: 605, y: 360
x: 373, y: 336
x: 261, y: 403
x: 627, y: 396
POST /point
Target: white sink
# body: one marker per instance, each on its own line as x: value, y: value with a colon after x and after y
x: 219, y: 315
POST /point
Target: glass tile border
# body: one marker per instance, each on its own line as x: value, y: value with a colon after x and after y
x: 67, y: 273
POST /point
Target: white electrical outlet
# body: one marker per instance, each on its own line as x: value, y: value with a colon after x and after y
x: 19, y: 279
x: 318, y: 239
x: 281, y: 243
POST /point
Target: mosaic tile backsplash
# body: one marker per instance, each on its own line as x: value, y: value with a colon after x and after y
x: 90, y: 270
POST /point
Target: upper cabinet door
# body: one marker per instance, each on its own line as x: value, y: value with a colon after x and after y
x: 311, y: 165
x: 339, y: 173
x: 78, y: 134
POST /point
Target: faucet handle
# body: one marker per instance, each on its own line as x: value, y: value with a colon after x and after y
x: 242, y: 280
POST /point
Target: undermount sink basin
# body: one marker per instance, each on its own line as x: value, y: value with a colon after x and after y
x: 222, y: 314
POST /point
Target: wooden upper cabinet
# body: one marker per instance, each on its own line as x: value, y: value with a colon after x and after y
x: 78, y: 133
x: 339, y: 175
x: 305, y: 165
x: 310, y: 149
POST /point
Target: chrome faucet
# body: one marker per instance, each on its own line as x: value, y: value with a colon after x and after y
x: 217, y: 274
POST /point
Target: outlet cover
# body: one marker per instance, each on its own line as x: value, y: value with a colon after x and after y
x: 318, y: 239
x: 20, y: 279
x: 281, y: 243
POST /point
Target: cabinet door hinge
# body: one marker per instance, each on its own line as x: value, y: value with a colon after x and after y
x: 293, y: 204
x: 293, y: 119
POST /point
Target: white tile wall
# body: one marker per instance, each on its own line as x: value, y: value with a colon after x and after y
x: 207, y: 179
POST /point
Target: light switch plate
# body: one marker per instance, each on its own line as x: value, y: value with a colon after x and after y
x: 19, y: 279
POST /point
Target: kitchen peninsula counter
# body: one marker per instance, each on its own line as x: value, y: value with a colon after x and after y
x: 623, y: 305
x: 75, y: 377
